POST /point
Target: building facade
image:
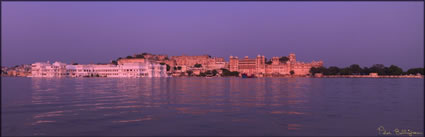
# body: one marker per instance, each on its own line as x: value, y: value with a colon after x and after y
x: 147, y: 57
x: 207, y: 62
x: 149, y: 65
x: 259, y: 67
x: 58, y: 69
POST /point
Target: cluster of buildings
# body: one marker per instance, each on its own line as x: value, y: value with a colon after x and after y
x: 18, y: 70
x: 150, y: 65
x: 197, y: 64
x: 136, y: 69
x: 260, y: 68
x: 180, y: 65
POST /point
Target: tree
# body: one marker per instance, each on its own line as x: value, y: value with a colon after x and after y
x: 209, y: 72
x: 189, y: 72
x: 365, y: 71
x: 168, y: 67
x: 214, y: 72
x: 394, y: 70
x: 114, y: 62
x: 140, y: 56
x: 333, y: 70
x: 378, y: 68
x: 225, y: 70
x: 202, y: 74
x: 346, y: 71
x: 197, y: 65
x: 415, y: 71
x: 234, y: 73
x: 268, y: 61
x: 228, y: 73
x: 144, y: 53
x: 179, y: 68
x: 129, y: 57
x: 283, y: 59
x: 315, y: 70
x: 355, y: 69
x: 74, y: 63
x: 292, y: 72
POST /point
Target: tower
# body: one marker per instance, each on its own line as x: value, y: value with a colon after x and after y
x: 292, y: 58
x: 260, y: 61
x: 292, y: 61
x: 233, y: 63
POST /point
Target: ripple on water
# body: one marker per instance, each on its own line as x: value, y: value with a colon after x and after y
x: 216, y: 106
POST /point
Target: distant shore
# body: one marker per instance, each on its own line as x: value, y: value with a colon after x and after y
x: 324, y: 76
x: 368, y: 76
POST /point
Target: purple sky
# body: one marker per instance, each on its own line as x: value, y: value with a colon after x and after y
x: 339, y: 33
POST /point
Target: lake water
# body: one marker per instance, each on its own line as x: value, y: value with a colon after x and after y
x: 210, y: 106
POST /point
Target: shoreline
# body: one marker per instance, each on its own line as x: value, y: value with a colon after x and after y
x: 368, y: 76
x: 325, y: 76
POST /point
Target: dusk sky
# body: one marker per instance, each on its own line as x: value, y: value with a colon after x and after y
x: 339, y: 33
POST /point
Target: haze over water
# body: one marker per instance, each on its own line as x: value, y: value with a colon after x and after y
x: 210, y: 106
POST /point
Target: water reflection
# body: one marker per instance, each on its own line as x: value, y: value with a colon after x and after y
x: 187, y: 96
x: 199, y: 106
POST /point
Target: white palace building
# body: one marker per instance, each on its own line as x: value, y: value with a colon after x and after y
x: 58, y: 69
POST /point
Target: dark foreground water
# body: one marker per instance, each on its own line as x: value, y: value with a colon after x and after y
x: 210, y: 106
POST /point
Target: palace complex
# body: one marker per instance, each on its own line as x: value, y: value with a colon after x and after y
x: 205, y: 61
x: 260, y: 68
x: 135, y: 69
x: 149, y: 65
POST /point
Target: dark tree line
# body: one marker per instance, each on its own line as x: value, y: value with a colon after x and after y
x: 197, y: 65
x: 355, y: 69
x: 229, y: 73
x: 177, y: 68
x: 209, y: 73
x: 268, y: 61
x: 140, y: 56
x: 415, y: 71
x: 282, y: 59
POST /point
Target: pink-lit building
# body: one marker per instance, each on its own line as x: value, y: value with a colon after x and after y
x: 259, y: 67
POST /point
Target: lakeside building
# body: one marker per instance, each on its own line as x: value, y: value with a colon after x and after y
x: 147, y: 57
x: 259, y: 67
x: 149, y: 65
x: 58, y: 69
x: 179, y: 64
x: 19, y: 70
x: 207, y: 62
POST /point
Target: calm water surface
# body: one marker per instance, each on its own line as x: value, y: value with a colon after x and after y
x: 210, y: 106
